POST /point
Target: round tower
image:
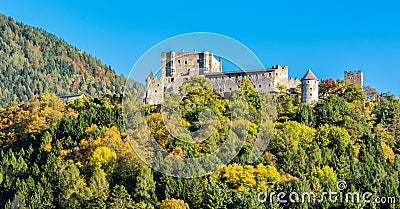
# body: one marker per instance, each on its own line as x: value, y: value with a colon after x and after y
x: 309, y: 88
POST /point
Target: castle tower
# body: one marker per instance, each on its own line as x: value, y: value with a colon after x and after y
x: 355, y: 77
x: 309, y: 88
x: 154, y: 89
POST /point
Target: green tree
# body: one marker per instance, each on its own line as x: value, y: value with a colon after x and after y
x: 98, y: 190
x: 119, y: 198
x: 216, y: 196
x: 144, y: 191
x: 305, y: 115
x: 332, y: 110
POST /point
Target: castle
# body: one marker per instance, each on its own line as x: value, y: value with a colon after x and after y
x: 178, y: 67
x: 355, y: 77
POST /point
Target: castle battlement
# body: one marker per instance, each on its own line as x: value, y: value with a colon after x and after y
x: 355, y: 77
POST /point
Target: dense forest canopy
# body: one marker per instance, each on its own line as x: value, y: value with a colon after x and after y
x: 78, y: 155
x: 33, y: 61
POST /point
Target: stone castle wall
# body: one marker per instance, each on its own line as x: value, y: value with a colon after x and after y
x: 355, y: 77
x: 154, y: 90
x: 178, y: 67
x: 264, y: 80
x: 195, y: 64
x: 179, y: 63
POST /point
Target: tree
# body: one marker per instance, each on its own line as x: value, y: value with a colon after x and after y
x: 195, y: 83
x: 72, y: 193
x: 173, y: 204
x: 324, y: 174
x: 104, y: 158
x: 144, y: 191
x: 352, y: 92
x: 327, y: 87
x: 388, y: 152
x: 371, y: 93
x: 98, y: 190
x: 216, y: 196
x: 242, y: 179
x: 331, y: 110
x: 119, y: 198
x: 305, y: 115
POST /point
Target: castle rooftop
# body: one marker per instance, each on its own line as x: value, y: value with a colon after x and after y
x: 309, y: 76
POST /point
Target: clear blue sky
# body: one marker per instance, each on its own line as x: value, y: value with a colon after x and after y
x: 325, y: 36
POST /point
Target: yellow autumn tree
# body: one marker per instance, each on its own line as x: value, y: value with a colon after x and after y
x: 324, y: 174
x: 173, y: 204
x: 388, y: 153
x: 37, y: 124
x: 104, y: 158
x: 32, y: 117
x: 266, y: 176
x: 291, y: 134
x: 241, y: 179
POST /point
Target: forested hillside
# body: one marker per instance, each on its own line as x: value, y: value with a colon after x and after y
x: 33, y: 61
x: 78, y: 155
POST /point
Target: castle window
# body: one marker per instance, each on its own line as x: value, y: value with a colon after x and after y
x: 179, y: 61
x: 230, y: 89
x: 172, y: 79
x: 276, y: 73
x: 185, y: 62
x: 259, y: 86
x: 310, y: 94
x: 308, y: 81
x: 310, y: 88
x: 269, y: 74
x: 155, y: 91
x: 158, y: 84
x: 198, y: 61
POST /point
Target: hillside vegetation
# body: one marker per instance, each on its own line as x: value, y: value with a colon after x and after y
x: 54, y: 155
x: 33, y: 61
x: 79, y: 155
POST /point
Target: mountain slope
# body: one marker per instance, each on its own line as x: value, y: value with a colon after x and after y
x: 33, y: 61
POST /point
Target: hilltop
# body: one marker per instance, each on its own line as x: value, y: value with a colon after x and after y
x: 33, y: 61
